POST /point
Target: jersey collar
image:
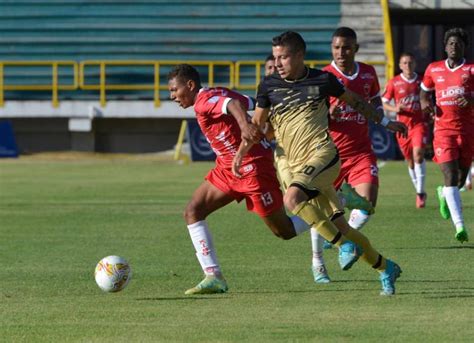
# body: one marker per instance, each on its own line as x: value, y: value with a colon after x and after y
x: 409, y: 80
x: 454, y: 69
x: 349, y: 77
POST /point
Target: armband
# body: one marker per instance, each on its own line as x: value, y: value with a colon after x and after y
x: 385, y: 121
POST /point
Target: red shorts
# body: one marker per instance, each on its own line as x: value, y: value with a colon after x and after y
x: 449, y: 148
x: 259, y: 187
x: 359, y: 169
x: 417, y: 138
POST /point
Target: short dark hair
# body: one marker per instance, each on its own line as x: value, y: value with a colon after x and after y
x: 345, y: 32
x: 269, y: 58
x: 407, y: 54
x: 291, y: 40
x: 185, y: 72
x: 456, y: 32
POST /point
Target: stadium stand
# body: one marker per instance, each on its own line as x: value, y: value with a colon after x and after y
x: 116, y: 43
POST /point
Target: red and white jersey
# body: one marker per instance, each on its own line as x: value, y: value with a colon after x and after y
x: 449, y: 83
x: 407, y: 93
x: 350, y: 129
x: 221, y: 128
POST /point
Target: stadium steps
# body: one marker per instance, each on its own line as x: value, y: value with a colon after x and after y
x: 226, y: 30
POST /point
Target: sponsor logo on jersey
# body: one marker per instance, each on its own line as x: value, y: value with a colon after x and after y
x: 452, y: 91
x: 213, y: 100
x: 366, y: 76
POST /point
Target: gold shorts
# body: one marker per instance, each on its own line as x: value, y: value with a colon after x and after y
x: 318, y: 174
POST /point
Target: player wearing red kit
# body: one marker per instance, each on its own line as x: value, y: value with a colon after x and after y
x: 222, y: 117
x: 348, y: 128
x: 404, y: 89
x: 453, y: 82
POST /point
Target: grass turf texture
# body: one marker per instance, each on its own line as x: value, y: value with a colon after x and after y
x: 58, y: 218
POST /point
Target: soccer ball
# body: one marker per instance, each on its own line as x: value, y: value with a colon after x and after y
x: 112, y: 273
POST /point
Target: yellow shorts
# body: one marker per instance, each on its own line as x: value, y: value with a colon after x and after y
x: 319, y: 174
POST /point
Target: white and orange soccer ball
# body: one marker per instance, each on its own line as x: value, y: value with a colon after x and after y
x: 112, y: 273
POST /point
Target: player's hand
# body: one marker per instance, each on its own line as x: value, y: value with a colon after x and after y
x: 251, y: 133
x: 427, y: 107
x: 398, y: 127
x: 335, y: 111
x: 236, y: 164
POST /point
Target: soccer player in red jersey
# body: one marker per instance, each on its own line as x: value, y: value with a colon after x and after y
x: 404, y: 89
x: 452, y: 80
x: 222, y: 116
x: 350, y: 129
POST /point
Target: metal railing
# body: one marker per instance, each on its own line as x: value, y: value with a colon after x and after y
x: 156, y: 86
x: 54, y: 86
x: 95, y: 76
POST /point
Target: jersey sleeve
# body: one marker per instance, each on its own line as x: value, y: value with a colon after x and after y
x: 389, y: 92
x: 334, y: 87
x: 263, y: 100
x: 427, y: 84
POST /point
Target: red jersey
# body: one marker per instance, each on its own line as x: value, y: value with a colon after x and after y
x: 449, y: 83
x: 407, y: 93
x: 222, y: 130
x: 350, y: 129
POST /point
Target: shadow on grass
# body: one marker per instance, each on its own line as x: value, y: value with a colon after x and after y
x: 187, y: 298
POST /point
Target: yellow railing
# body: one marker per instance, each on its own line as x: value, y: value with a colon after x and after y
x: 84, y: 77
x: 156, y: 86
x: 54, y: 86
x: 387, y: 29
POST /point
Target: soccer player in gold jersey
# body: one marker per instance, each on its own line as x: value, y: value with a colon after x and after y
x: 298, y: 96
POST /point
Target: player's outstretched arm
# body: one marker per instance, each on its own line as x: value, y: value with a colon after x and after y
x: 367, y: 110
x: 249, y: 131
x: 237, y: 161
x: 260, y: 117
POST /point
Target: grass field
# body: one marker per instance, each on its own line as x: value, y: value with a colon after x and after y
x: 59, y: 217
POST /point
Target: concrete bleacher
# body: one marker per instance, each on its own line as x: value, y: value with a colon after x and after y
x: 86, y: 30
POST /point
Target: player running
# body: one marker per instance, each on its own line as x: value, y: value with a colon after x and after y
x: 298, y: 97
x: 453, y: 82
x: 222, y: 117
x: 348, y: 127
x: 404, y: 89
x: 347, y: 195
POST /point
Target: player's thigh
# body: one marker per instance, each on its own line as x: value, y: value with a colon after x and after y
x: 364, y: 176
x: 206, y: 199
x: 368, y: 191
x: 405, y: 147
x: 283, y: 169
x: 318, y: 172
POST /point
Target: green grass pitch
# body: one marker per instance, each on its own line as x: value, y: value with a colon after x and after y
x: 58, y: 218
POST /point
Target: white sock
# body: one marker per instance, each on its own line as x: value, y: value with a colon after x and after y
x: 300, y: 225
x: 205, y: 252
x: 358, y: 219
x: 412, y: 174
x: 317, y: 242
x: 420, y: 171
x: 453, y: 198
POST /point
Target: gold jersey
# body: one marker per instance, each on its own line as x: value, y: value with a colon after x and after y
x: 300, y: 112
